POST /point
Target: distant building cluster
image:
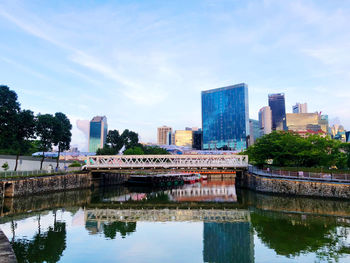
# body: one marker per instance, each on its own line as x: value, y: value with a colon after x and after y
x: 226, y: 124
x: 189, y: 137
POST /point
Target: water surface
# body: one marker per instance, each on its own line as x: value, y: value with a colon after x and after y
x: 205, y: 222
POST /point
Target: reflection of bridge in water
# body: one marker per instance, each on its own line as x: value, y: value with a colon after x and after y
x: 164, y: 215
x: 210, y: 192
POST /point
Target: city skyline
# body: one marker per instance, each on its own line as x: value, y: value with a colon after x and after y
x: 92, y: 59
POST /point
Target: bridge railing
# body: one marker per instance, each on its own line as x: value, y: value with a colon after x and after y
x: 166, y: 161
x: 331, y: 177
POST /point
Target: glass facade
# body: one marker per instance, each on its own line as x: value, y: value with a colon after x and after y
x: 98, y: 133
x: 301, y: 121
x: 184, y: 138
x: 254, y: 129
x: 278, y: 108
x: 225, y: 118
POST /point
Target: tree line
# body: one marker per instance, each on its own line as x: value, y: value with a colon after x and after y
x: 21, y: 131
x: 129, y: 142
x: 291, y: 150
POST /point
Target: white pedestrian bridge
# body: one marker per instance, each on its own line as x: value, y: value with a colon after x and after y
x: 232, y: 161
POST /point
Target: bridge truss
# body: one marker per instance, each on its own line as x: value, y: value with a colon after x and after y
x: 164, y: 215
x: 167, y: 161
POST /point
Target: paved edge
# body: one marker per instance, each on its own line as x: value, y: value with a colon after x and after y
x: 6, y: 252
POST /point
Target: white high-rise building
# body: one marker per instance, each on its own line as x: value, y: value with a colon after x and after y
x: 265, y: 120
x: 300, y: 108
x: 163, y: 135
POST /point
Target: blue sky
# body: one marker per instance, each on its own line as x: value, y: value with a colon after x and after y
x: 144, y: 63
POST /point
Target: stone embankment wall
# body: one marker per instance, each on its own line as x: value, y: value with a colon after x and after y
x: 45, y: 184
x: 294, y: 187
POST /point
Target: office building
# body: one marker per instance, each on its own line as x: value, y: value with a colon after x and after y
x: 338, y: 132
x: 323, y: 122
x: 197, y: 139
x: 184, y: 138
x: 225, y: 117
x: 300, y: 108
x: 265, y: 120
x: 347, y: 135
x: 254, y: 131
x: 98, y: 133
x: 278, y: 108
x: 307, y: 122
x: 300, y: 121
x: 163, y: 135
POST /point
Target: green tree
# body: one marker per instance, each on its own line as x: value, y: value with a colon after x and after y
x: 153, y: 150
x: 130, y: 139
x: 289, y: 149
x: 106, y: 150
x: 62, y: 135
x: 25, y: 131
x: 45, y: 131
x: 115, y: 140
x: 137, y: 150
x: 9, y: 108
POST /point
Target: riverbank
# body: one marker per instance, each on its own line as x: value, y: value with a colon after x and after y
x: 294, y: 187
x: 58, y: 182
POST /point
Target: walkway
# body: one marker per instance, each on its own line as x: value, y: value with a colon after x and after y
x: 6, y: 252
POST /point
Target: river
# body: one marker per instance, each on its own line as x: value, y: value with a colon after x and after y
x: 210, y: 221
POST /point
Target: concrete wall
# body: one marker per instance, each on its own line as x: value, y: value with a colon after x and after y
x: 294, y: 187
x: 27, y: 163
x: 45, y: 184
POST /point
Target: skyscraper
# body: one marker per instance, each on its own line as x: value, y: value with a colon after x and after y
x: 184, y: 138
x: 278, y: 108
x: 254, y: 131
x: 225, y: 117
x: 265, y: 120
x: 163, y: 135
x: 300, y: 108
x: 98, y: 133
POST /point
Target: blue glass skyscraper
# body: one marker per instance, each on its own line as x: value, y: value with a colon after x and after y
x: 98, y: 133
x: 225, y: 117
x: 278, y: 108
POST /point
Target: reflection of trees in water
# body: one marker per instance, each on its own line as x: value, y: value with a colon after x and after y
x: 45, y: 246
x: 291, y: 237
x: 110, y: 230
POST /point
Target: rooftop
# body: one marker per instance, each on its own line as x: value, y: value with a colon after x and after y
x: 240, y: 85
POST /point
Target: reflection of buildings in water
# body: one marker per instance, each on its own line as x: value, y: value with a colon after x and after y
x: 128, y: 197
x: 228, y: 242
x: 212, y: 191
x: 207, y: 191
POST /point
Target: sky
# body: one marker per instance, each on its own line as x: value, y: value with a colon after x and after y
x: 143, y: 64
